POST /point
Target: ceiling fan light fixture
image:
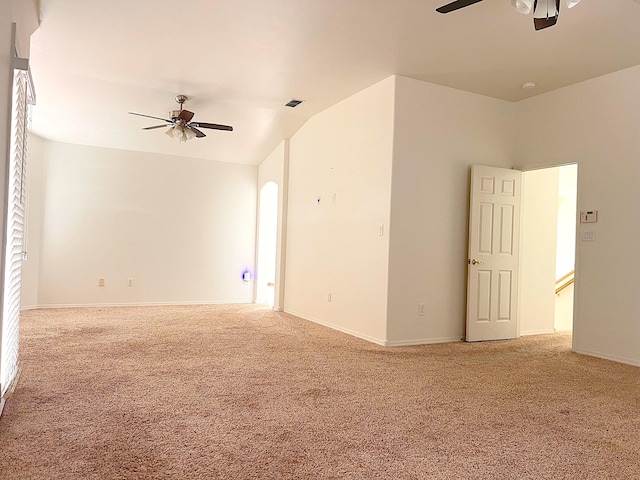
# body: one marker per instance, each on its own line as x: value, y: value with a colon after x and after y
x: 181, y: 132
x: 178, y: 131
x: 546, y: 9
x: 523, y: 6
x: 189, y: 134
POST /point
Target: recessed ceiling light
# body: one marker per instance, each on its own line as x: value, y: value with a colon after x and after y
x: 528, y: 85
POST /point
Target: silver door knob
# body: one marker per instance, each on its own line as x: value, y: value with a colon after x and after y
x: 475, y: 262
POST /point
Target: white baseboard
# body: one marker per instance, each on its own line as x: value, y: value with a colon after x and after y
x: 133, y: 304
x: 338, y: 328
x: 537, y: 332
x: 613, y: 358
x: 377, y: 341
x: 422, y: 341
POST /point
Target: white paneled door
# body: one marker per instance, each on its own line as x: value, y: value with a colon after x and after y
x: 494, y: 236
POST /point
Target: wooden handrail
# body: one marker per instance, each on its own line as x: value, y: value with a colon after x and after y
x: 565, y: 281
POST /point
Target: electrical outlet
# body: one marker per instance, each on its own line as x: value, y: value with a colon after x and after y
x: 421, y: 309
x: 130, y: 282
x: 101, y: 282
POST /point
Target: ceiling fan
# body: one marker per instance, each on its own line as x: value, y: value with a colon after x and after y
x: 545, y: 12
x: 180, y: 124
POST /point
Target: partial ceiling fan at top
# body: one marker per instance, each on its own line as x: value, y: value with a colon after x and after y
x: 545, y: 12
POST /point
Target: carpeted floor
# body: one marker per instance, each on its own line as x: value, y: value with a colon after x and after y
x: 241, y: 392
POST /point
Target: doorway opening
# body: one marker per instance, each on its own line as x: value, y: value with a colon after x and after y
x: 267, y: 244
x: 566, y: 246
x: 548, y: 249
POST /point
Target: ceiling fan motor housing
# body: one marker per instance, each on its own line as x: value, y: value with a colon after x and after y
x: 173, y: 114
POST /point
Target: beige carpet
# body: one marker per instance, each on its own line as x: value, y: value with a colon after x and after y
x: 241, y: 392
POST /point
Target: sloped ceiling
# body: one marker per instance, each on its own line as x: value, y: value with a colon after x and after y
x: 239, y: 61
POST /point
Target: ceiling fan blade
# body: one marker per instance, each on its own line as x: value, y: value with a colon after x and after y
x: 150, y: 116
x: 155, y: 126
x: 542, y: 23
x: 457, y: 5
x: 199, y: 134
x: 186, y: 115
x: 213, y: 126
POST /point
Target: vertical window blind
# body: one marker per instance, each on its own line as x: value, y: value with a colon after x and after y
x: 15, y: 232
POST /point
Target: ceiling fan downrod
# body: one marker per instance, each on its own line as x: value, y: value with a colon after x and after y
x: 180, y: 99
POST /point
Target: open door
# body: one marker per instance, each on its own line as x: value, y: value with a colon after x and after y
x: 494, y: 244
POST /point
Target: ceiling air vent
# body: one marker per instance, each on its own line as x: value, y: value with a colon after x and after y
x: 293, y: 103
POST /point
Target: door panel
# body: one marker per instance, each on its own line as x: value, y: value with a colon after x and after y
x: 504, y: 296
x: 486, y: 229
x: 506, y: 229
x: 484, y: 296
x: 494, y: 236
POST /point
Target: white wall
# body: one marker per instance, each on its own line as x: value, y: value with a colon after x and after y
x: 563, y: 321
x: 275, y: 168
x: 595, y: 124
x: 182, y: 228
x: 538, y: 252
x: 34, y: 221
x: 25, y: 14
x: 439, y: 133
x: 335, y: 247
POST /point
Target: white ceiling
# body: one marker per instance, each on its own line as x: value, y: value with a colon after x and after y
x: 239, y: 61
